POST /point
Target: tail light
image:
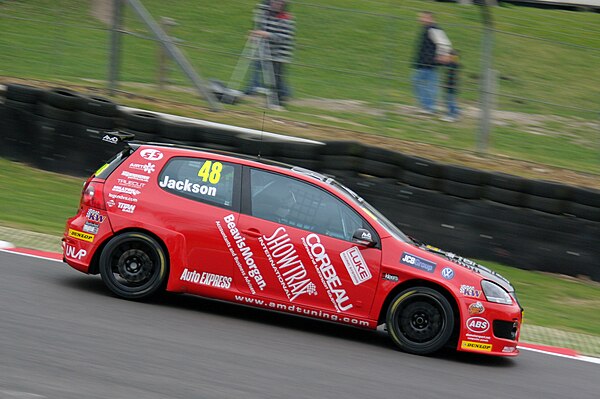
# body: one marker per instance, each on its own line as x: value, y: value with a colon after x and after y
x: 93, y: 195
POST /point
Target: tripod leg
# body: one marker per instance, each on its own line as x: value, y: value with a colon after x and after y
x: 269, y: 75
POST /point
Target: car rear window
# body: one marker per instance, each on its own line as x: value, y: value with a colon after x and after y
x: 199, y: 179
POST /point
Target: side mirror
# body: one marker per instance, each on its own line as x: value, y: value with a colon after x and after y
x: 363, y: 237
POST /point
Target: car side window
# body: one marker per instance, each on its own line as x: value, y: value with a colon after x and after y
x: 292, y: 202
x: 200, y: 179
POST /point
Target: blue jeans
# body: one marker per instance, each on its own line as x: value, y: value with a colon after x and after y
x: 451, y: 103
x: 425, y: 83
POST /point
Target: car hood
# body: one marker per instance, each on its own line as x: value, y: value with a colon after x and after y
x: 485, y: 272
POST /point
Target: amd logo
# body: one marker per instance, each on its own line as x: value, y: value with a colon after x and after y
x: 110, y: 139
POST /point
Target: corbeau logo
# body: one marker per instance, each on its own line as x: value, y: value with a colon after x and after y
x: 147, y: 167
x: 71, y: 252
x: 327, y: 272
x: 477, y: 346
x: 478, y: 325
x: 151, y: 154
x: 356, y: 265
x: 110, y: 139
x: 80, y: 235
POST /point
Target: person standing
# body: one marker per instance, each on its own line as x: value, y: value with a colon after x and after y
x: 279, y: 29
x: 433, y: 48
x: 451, y: 86
x: 256, y: 79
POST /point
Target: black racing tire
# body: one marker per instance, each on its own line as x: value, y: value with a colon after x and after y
x: 461, y: 190
x: 59, y: 114
x: 463, y: 174
x: 384, y: 155
x: 503, y: 196
x: 422, y: 166
x: 507, y: 182
x: 544, y: 204
x: 378, y: 169
x: 96, y: 121
x: 23, y: 93
x: 421, y: 181
x: 343, y: 148
x: 292, y: 149
x: 583, y: 211
x: 63, y: 99
x: 183, y: 132
x: 14, y: 104
x: 134, y: 266
x: 586, y: 196
x: 420, y: 320
x: 99, y: 106
x: 140, y: 121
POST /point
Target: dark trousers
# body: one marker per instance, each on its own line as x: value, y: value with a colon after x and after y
x: 280, y: 88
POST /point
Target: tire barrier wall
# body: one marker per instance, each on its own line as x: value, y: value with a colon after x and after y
x: 530, y: 224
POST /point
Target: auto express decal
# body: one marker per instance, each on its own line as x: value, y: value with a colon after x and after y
x: 286, y: 264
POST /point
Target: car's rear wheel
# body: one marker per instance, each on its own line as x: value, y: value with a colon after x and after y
x: 420, y: 320
x: 133, y: 266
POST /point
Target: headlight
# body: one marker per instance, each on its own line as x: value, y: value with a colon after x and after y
x: 494, y: 293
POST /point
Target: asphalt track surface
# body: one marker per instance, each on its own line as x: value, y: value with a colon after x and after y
x: 62, y: 335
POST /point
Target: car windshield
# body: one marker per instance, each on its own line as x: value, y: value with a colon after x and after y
x: 358, y: 200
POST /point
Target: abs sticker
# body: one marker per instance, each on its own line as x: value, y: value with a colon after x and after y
x: 417, y: 262
x: 80, y: 235
x: 478, y: 325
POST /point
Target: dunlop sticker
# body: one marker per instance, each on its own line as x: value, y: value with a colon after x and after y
x: 476, y: 346
x: 80, y: 235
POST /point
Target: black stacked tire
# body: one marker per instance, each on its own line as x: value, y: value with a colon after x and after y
x: 422, y: 173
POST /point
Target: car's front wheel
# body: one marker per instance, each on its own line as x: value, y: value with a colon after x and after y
x: 133, y: 265
x: 420, y: 320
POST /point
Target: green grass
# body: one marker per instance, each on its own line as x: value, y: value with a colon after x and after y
x: 353, y: 50
x: 35, y: 200
x: 553, y: 301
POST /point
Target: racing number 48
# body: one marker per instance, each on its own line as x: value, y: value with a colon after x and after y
x: 211, y: 171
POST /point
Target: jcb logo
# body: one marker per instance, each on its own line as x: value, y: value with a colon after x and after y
x: 409, y: 259
x: 71, y: 252
x: 478, y: 325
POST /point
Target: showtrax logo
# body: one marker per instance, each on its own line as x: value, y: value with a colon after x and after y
x: 356, y: 265
x: 148, y: 167
x: 135, y: 176
x: 286, y: 264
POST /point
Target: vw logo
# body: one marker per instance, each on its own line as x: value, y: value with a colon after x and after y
x: 447, y: 273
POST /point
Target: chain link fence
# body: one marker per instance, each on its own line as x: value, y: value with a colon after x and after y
x: 352, y: 67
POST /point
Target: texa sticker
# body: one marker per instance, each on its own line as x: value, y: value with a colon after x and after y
x: 447, y: 273
x: 417, y: 262
x: 151, y: 154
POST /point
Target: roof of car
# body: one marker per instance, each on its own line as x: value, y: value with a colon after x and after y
x: 265, y: 161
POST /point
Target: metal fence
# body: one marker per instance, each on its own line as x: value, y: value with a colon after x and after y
x: 352, y: 67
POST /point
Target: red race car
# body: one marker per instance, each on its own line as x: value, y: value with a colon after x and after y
x: 264, y: 234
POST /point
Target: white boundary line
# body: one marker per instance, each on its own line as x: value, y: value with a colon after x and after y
x: 581, y: 358
x: 8, y: 251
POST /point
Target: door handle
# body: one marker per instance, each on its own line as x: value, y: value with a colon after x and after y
x: 252, y: 233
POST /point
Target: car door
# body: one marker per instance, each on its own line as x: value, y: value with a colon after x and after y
x: 201, y: 194
x: 301, y: 239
